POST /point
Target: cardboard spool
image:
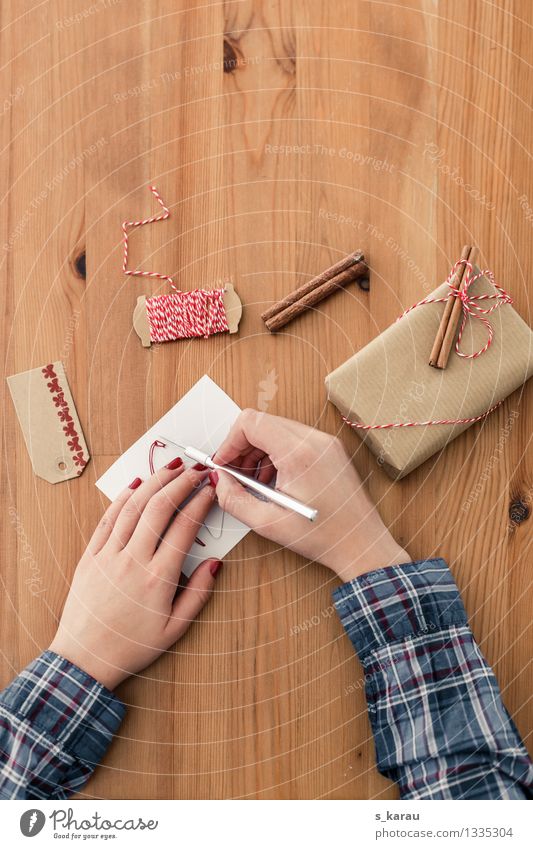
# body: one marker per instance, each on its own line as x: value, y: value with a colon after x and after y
x: 232, y: 306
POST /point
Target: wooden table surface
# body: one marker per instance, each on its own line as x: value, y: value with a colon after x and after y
x: 283, y: 135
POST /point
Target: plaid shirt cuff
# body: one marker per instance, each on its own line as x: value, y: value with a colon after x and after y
x: 68, y: 704
x: 440, y: 728
x: 409, y: 600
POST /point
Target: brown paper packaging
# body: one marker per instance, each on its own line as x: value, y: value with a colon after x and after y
x: 390, y: 380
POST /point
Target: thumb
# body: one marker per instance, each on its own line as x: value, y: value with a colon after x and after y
x: 193, y: 598
x: 243, y: 505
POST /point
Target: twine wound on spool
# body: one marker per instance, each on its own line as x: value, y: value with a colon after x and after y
x: 180, y: 315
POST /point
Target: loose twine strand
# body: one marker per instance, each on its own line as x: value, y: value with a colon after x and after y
x: 180, y: 315
x: 470, y: 309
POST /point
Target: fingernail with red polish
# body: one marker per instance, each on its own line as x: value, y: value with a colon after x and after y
x: 215, y: 567
x: 213, y: 478
x: 174, y: 464
x: 199, y: 467
x: 135, y: 483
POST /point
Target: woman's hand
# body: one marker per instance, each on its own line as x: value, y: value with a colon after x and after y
x: 121, y: 612
x: 348, y: 535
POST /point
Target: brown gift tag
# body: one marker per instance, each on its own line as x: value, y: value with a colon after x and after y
x: 49, y: 422
x: 390, y: 380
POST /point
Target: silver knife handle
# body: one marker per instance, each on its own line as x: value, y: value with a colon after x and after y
x: 267, y: 492
x: 271, y: 494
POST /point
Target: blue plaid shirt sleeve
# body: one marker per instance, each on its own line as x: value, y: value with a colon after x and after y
x: 56, y: 723
x: 440, y: 728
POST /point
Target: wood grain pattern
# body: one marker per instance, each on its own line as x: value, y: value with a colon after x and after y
x: 283, y: 136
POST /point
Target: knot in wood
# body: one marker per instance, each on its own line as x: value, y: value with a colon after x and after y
x: 518, y: 511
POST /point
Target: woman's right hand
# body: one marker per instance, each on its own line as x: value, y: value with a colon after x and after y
x: 348, y: 535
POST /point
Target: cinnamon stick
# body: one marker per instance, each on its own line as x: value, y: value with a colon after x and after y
x: 445, y: 320
x: 453, y: 324
x: 350, y: 268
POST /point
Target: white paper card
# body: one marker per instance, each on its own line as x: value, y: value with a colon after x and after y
x: 201, y: 419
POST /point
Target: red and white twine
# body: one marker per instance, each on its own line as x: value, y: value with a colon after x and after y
x: 184, y: 315
x: 470, y: 309
x: 469, y: 304
x: 180, y: 315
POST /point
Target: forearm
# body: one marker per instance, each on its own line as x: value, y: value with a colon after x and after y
x: 440, y: 728
x: 56, y: 723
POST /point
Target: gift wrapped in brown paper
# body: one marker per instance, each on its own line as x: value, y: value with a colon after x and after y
x: 390, y: 380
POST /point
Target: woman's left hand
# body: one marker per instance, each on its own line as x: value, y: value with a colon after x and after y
x: 121, y: 612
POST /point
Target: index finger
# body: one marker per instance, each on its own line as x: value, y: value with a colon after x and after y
x: 106, y: 524
x: 182, y: 532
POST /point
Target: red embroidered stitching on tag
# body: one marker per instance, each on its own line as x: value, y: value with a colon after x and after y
x: 64, y: 416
